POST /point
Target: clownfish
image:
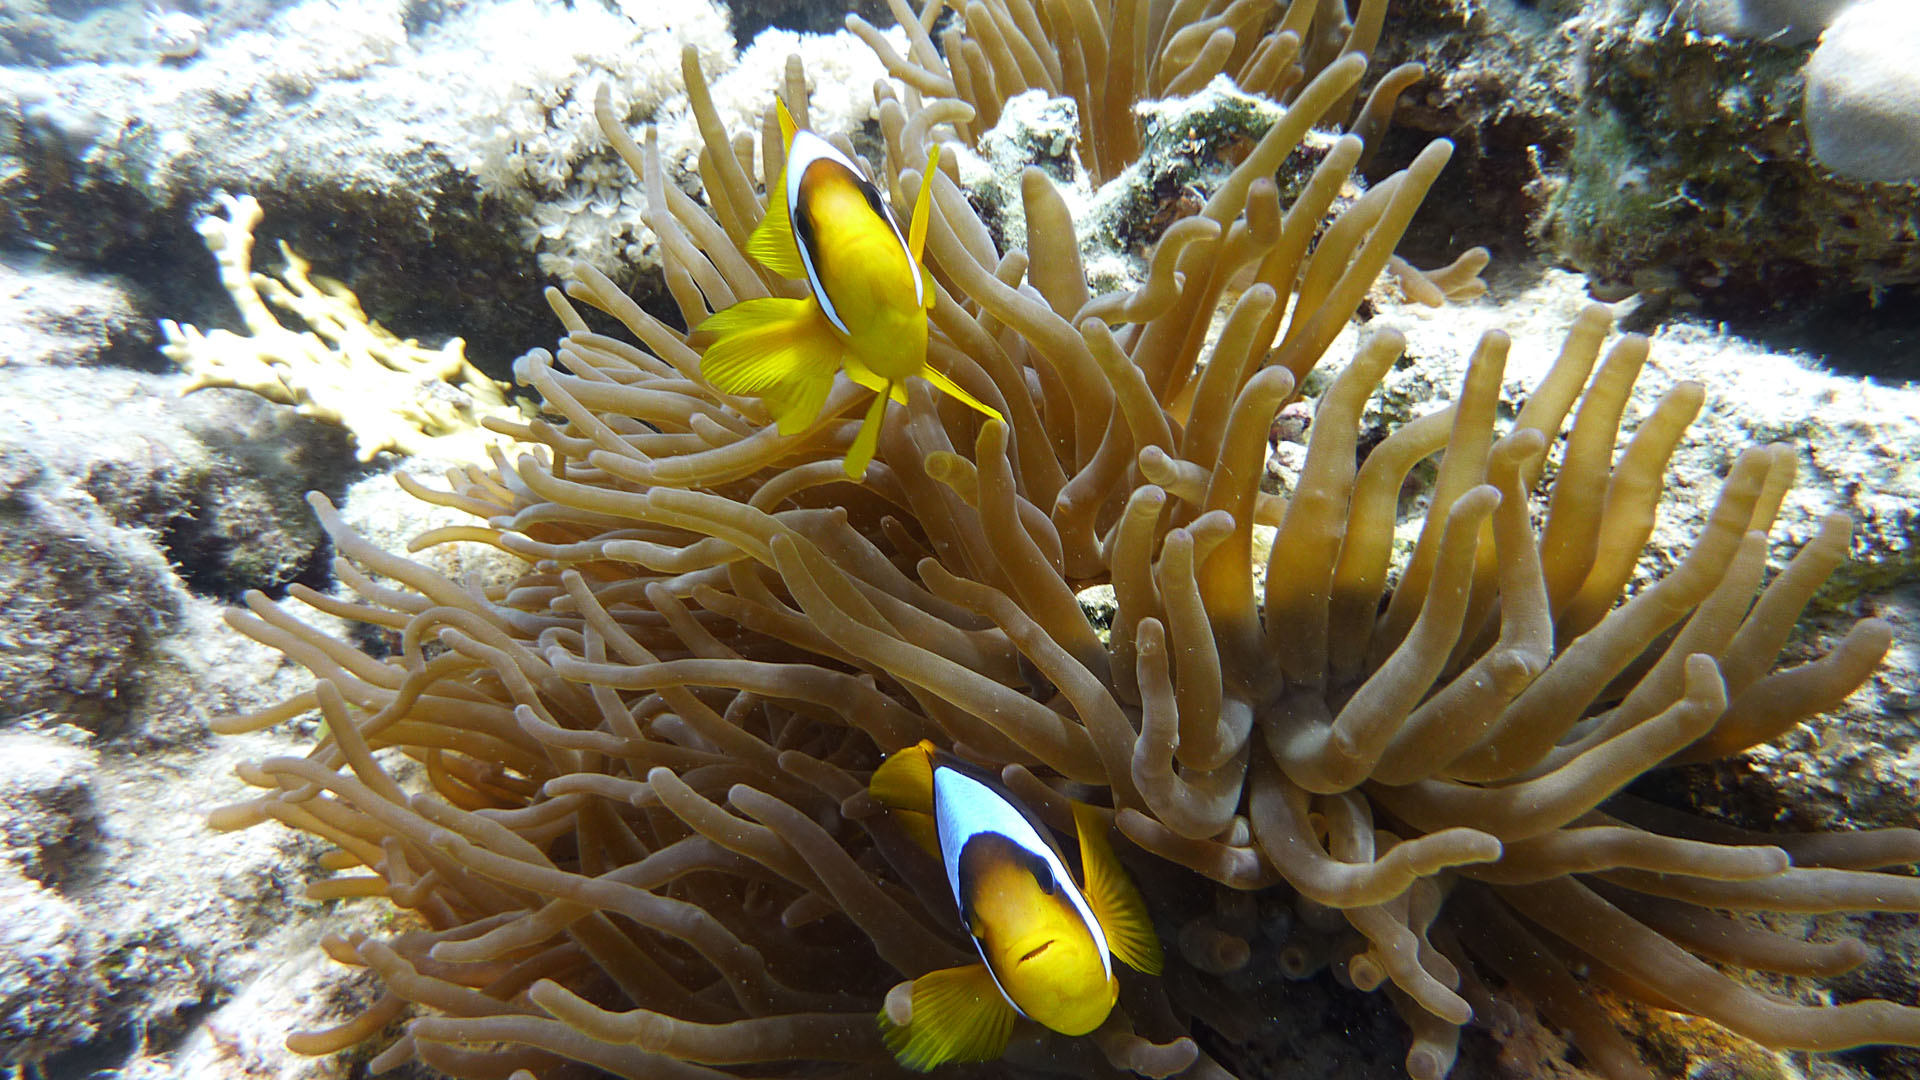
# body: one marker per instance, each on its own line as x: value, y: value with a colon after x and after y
x: 1047, y: 942
x: 867, y: 304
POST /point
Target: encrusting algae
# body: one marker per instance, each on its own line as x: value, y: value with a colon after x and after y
x: 646, y: 842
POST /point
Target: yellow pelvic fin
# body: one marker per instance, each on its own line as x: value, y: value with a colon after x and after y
x: 868, y: 441
x: 959, y: 1014
x: 949, y: 387
x: 862, y: 375
x: 917, y: 232
x: 772, y: 241
x: 1112, y: 895
x: 783, y: 350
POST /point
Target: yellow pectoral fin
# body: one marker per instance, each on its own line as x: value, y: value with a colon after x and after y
x: 772, y: 241
x: 905, y: 780
x: 796, y: 405
x: 783, y: 350
x: 868, y: 441
x: 959, y: 1014
x: 951, y: 388
x: 927, y: 296
x: 1112, y: 895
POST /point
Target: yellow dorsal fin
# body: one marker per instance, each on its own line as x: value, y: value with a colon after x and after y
x: 772, y: 241
x: 868, y: 441
x: 1112, y: 895
x: 905, y: 780
x: 959, y: 1014
x: 782, y: 350
x: 917, y: 232
x: 904, y: 785
x: 920, y: 828
x: 787, y: 126
x: 951, y: 388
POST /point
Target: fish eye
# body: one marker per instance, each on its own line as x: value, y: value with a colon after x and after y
x: 1043, y: 876
x: 873, y: 201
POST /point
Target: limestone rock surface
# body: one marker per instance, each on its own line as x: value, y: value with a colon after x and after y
x: 1863, y: 93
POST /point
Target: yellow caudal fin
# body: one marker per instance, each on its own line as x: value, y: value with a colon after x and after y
x: 868, y: 441
x: 959, y: 1014
x: 772, y: 241
x: 949, y: 387
x: 783, y: 350
x: 904, y: 785
x: 1112, y: 895
x: 917, y: 232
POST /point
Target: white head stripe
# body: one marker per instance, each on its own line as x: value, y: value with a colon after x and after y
x: 807, y: 149
x: 964, y: 808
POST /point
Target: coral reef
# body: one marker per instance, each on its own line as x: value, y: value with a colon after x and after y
x: 129, y: 518
x: 1690, y: 172
x: 388, y: 393
x: 392, y: 138
x: 643, y: 842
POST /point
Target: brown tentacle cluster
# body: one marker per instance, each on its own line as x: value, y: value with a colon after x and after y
x: 625, y: 794
x: 1109, y: 56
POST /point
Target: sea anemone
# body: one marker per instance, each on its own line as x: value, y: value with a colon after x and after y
x: 625, y: 794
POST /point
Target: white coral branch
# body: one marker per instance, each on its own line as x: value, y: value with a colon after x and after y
x: 389, y: 393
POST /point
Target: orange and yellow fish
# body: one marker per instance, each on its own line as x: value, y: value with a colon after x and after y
x: 1047, y: 943
x: 867, y: 306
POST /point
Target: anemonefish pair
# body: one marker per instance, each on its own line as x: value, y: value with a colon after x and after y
x: 867, y: 309
x: 1047, y: 943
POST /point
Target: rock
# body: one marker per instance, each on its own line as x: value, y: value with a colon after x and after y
x: 49, y: 990
x: 1863, y: 93
x: 51, y: 315
x: 48, y: 818
x: 1660, y: 146
x: 128, y: 921
x: 1781, y: 22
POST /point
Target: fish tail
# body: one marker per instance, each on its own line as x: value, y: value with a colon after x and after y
x: 785, y: 351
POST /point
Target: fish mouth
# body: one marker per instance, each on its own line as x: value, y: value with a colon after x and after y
x: 1043, y: 947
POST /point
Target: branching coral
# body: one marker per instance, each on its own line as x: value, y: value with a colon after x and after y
x: 644, y: 842
x: 389, y: 393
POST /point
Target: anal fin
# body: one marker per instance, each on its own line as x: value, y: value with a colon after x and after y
x: 952, y: 389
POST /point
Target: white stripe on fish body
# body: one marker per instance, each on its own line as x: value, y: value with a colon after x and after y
x: 963, y: 808
x: 807, y: 149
